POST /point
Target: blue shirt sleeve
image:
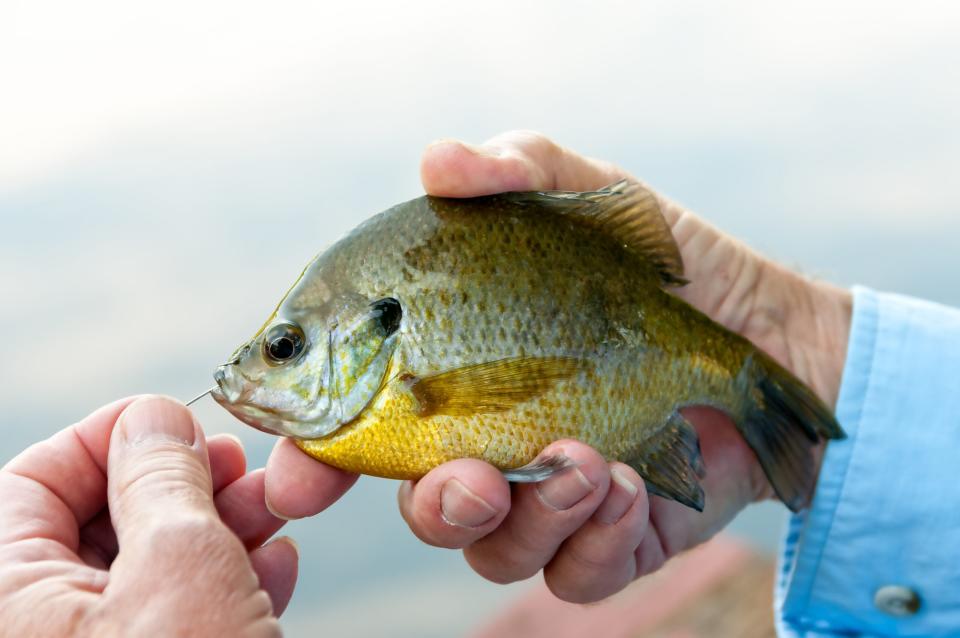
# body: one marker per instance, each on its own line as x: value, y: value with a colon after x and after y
x: 887, y: 507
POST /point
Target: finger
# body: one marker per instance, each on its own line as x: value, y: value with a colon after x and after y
x: 227, y: 460
x: 158, y: 468
x: 455, y: 504
x: 56, y: 485
x: 598, y: 559
x: 516, y: 160
x: 298, y: 486
x: 276, y: 565
x: 542, y: 516
x: 242, y: 507
x: 98, y: 541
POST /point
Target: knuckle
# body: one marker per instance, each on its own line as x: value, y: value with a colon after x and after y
x: 503, y: 560
x: 586, y: 578
x: 648, y: 558
x: 189, y: 525
x: 449, y: 538
x: 182, y: 533
x: 495, y: 570
x: 163, y: 474
x: 595, y: 556
x: 536, y: 138
x: 566, y: 589
x: 261, y: 605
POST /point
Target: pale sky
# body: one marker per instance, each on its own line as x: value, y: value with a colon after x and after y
x: 81, y: 76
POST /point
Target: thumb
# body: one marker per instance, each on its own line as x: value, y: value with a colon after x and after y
x: 157, y: 467
x: 175, y: 552
x: 511, y: 161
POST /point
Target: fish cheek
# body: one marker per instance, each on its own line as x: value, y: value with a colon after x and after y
x: 360, y: 361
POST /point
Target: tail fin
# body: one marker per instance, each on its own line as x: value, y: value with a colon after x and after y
x: 782, y: 421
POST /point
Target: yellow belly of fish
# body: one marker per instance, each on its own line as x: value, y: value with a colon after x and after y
x: 389, y: 439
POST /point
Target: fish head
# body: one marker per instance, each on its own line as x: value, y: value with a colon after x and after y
x: 312, y: 368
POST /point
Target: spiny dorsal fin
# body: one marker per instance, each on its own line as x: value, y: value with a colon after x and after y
x: 488, y: 387
x: 626, y: 211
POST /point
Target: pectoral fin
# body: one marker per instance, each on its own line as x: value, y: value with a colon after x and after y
x: 671, y: 464
x: 494, y: 386
x: 539, y: 469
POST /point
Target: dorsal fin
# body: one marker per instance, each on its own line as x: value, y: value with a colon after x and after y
x: 626, y: 211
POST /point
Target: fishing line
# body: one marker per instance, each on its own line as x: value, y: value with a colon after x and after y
x: 200, y: 396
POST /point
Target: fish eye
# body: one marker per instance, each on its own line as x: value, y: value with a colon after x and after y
x: 283, y: 342
x: 388, y: 313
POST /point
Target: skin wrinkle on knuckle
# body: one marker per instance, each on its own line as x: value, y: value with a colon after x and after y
x: 39, y: 496
x: 596, y: 557
x: 32, y: 549
x: 419, y: 528
x: 506, y: 560
x: 258, y: 605
x: 518, y: 553
x: 647, y: 563
x: 502, y: 564
x: 426, y: 520
x: 496, y: 569
x: 169, y: 474
x: 184, y: 535
x: 580, y: 586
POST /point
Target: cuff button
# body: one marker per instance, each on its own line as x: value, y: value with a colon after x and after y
x: 897, y: 600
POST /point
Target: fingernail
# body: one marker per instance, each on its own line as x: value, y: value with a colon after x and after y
x: 270, y: 508
x: 232, y: 437
x: 482, y: 151
x: 619, y: 499
x: 459, y: 506
x: 289, y: 541
x: 154, y: 419
x: 563, y: 491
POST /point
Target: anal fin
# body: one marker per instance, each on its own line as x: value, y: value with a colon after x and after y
x: 671, y: 465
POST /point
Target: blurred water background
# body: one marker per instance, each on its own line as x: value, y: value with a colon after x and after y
x: 166, y: 169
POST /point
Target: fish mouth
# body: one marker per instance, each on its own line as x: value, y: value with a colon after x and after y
x: 253, y: 416
x: 230, y: 384
x: 232, y: 392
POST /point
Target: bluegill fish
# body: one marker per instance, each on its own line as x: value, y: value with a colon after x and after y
x: 490, y: 327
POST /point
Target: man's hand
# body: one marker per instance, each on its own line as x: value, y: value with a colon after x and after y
x: 130, y: 523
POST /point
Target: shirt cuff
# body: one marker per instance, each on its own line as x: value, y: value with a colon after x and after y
x: 886, y: 511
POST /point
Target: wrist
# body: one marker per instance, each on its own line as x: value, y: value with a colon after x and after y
x: 820, y: 334
x: 807, y: 326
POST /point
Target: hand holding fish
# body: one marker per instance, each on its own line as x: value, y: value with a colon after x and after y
x: 131, y: 523
x: 593, y: 528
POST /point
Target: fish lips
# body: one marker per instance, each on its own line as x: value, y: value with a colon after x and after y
x: 233, y: 392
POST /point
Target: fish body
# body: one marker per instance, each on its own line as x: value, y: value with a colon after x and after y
x: 490, y: 327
